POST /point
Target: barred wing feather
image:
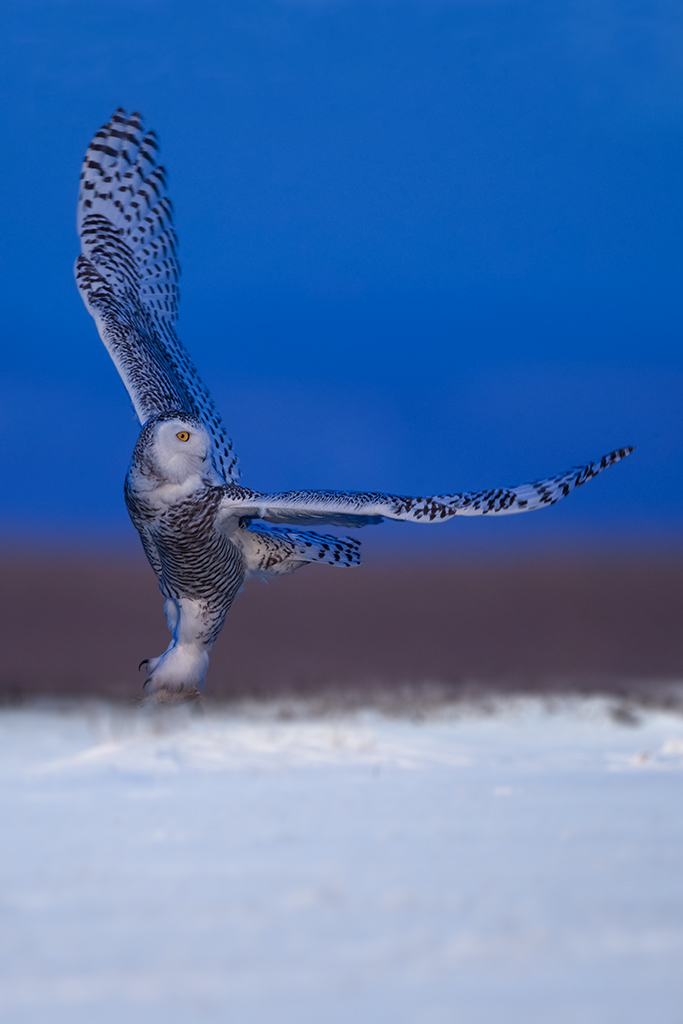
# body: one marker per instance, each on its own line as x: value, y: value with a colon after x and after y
x: 127, y: 275
x: 366, y: 508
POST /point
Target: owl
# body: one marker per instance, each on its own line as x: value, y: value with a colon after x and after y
x: 203, y: 532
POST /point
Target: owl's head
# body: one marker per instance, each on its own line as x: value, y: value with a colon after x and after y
x: 176, y: 449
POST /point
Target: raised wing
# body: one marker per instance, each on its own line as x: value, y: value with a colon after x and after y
x: 362, y: 509
x: 128, y: 274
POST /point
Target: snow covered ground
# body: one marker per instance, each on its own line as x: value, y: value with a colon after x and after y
x: 241, y: 866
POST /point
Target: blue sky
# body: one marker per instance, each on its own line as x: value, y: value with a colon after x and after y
x: 426, y: 246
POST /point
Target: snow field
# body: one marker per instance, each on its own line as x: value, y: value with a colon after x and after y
x: 240, y: 866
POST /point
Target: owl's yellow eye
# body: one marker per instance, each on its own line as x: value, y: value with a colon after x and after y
x: 183, y: 435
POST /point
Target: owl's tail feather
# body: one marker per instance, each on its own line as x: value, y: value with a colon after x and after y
x: 276, y: 550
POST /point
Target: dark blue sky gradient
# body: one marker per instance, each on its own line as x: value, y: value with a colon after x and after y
x: 426, y: 247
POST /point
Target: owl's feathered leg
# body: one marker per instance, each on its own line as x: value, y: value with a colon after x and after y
x: 179, y: 673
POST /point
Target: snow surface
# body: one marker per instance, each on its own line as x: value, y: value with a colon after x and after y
x: 240, y: 866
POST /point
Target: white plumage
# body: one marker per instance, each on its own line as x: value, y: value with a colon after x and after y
x: 203, y: 533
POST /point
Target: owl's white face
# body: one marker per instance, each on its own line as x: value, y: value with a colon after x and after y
x: 182, y: 451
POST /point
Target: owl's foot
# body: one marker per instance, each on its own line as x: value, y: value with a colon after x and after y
x: 176, y: 676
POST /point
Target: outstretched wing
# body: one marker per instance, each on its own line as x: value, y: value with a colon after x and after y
x: 128, y: 274
x: 362, y: 509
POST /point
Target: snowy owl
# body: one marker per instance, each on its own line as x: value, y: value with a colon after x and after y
x: 202, y: 531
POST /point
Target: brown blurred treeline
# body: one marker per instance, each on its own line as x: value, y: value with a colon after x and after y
x: 437, y: 627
